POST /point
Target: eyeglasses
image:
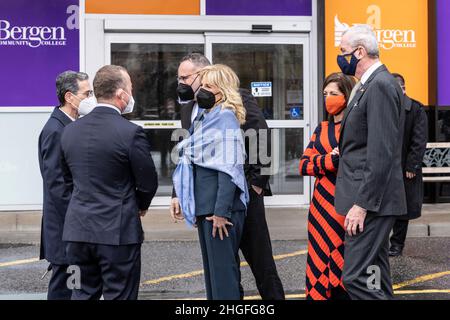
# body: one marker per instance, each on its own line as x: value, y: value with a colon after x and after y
x: 184, y: 78
x: 88, y: 93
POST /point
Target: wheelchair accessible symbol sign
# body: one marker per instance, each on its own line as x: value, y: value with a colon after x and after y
x: 295, y: 113
x: 261, y: 89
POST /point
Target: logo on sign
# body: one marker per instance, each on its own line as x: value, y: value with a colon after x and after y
x: 31, y: 36
x: 387, y: 38
x: 37, y: 36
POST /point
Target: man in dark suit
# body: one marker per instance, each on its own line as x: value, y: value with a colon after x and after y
x: 114, y: 181
x: 369, y: 188
x: 71, y: 88
x: 255, y: 242
x: 414, y: 145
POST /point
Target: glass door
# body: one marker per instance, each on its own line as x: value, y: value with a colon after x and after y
x: 152, y: 62
x: 275, y: 67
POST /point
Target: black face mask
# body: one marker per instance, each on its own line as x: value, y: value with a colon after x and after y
x: 185, y: 92
x: 206, y: 99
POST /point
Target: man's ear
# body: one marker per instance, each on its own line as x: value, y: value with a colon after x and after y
x: 120, y: 94
x: 362, y: 52
x: 68, y: 97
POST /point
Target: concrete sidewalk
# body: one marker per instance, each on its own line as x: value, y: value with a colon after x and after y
x: 284, y: 223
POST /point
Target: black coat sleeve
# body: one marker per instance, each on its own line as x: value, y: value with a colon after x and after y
x: 53, y: 173
x: 143, y: 169
x: 256, y: 147
x: 419, y: 138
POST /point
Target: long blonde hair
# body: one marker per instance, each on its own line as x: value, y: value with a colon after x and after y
x: 227, y: 81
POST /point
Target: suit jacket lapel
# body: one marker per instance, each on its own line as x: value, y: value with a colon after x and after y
x: 407, y: 103
x: 358, y: 95
x: 353, y: 102
x: 186, y: 114
x: 61, y: 116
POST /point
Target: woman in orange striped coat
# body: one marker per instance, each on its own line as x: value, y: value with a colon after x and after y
x: 326, y: 231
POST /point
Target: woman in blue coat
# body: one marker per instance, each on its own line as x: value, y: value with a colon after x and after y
x: 211, y: 181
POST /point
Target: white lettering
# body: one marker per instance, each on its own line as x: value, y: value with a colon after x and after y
x: 187, y: 310
x: 32, y: 36
x: 73, y: 20
x: 4, y: 29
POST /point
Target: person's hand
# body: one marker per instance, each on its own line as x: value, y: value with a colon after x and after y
x: 258, y: 190
x: 335, y: 151
x: 142, y: 213
x: 220, y: 224
x: 410, y: 175
x: 175, y: 210
x: 354, y: 220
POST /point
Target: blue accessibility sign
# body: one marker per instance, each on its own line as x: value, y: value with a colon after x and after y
x: 295, y: 113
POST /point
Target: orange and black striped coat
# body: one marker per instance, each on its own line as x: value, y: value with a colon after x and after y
x: 326, y: 232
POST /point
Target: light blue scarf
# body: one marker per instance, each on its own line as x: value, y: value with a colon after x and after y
x: 217, y: 143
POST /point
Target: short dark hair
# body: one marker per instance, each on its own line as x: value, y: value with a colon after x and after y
x: 398, y: 76
x: 345, y: 83
x: 67, y: 81
x: 197, y: 59
x: 108, y: 80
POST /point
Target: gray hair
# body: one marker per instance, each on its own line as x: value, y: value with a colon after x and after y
x: 197, y: 59
x: 68, y: 82
x: 364, y: 36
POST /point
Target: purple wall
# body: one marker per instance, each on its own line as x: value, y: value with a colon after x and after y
x: 443, y: 45
x: 28, y: 65
x: 259, y: 7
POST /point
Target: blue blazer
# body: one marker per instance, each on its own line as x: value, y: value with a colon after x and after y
x: 56, y: 192
x: 108, y: 158
x: 215, y: 193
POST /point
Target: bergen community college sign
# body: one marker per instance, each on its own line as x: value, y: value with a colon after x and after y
x: 31, y: 36
x: 38, y: 41
x: 402, y: 36
x: 387, y: 39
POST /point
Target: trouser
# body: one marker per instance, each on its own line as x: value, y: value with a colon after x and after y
x: 57, y: 287
x: 111, y: 271
x: 366, y: 273
x: 221, y: 258
x: 257, y: 250
x: 399, y: 230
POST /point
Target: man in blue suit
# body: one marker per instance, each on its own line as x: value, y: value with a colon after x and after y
x: 114, y: 181
x: 71, y: 88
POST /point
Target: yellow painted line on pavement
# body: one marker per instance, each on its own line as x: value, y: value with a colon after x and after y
x: 200, y: 272
x: 421, y: 291
x: 174, y: 277
x: 396, y: 286
x: 421, y: 279
x: 303, y: 296
x: 18, y: 262
x: 397, y: 292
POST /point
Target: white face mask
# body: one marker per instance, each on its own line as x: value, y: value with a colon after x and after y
x: 130, y: 106
x: 87, y: 105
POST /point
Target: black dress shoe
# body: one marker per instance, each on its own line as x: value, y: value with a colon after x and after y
x: 395, y: 251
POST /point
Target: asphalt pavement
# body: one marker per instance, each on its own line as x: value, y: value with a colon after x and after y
x: 173, y: 270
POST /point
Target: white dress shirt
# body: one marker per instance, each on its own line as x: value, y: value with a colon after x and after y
x: 369, y: 71
x: 194, y: 112
x: 109, y: 106
x: 68, y: 116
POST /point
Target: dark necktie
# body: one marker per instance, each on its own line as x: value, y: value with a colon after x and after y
x: 197, y: 119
